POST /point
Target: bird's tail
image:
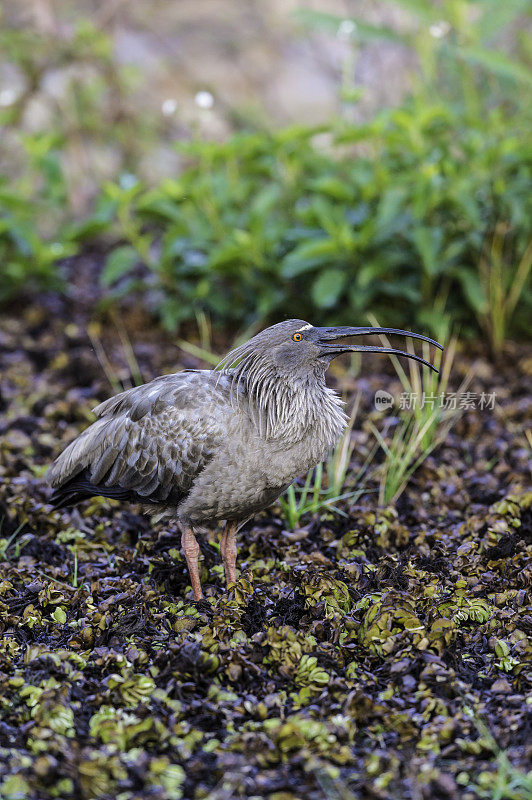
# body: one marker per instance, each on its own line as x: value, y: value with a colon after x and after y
x: 80, y: 487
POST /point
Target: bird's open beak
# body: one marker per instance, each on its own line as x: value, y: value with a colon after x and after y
x: 330, y: 346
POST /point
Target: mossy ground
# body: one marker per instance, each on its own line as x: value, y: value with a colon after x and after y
x: 382, y: 654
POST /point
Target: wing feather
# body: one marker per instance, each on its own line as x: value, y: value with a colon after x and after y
x: 149, y: 442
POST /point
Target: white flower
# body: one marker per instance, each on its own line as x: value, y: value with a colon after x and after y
x: 127, y: 180
x: 7, y: 97
x: 439, y: 29
x: 169, y: 106
x: 346, y: 29
x: 204, y: 100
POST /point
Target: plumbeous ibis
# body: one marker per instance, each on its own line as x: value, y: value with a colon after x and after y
x: 211, y: 445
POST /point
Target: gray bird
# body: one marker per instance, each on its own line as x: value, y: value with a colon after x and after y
x: 211, y: 445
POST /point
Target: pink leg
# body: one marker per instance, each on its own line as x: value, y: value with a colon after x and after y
x: 229, y: 552
x: 191, y: 549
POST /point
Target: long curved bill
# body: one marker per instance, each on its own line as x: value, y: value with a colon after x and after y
x: 327, y: 340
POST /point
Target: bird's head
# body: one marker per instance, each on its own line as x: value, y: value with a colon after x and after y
x: 298, y: 350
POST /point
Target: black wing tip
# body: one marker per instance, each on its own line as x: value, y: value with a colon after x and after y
x: 80, y: 488
x: 59, y: 499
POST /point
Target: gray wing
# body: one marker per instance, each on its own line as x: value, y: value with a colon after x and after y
x: 148, y: 443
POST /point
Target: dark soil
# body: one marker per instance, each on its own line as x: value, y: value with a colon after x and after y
x: 381, y: 654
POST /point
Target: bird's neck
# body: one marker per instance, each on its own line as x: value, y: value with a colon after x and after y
x: 289, y: 409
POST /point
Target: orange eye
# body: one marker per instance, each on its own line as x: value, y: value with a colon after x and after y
x: 297, y: 337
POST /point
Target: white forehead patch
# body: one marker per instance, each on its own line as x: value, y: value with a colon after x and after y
x: 305, y: 328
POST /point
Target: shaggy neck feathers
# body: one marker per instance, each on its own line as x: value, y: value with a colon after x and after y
x: 284, y: 406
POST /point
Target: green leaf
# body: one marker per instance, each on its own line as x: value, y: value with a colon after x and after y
x: 390, y: 213
x: 495, y: 62
x: 496, y: 16
x: 264, y: 201
x: 363, y: 30
x: 334, y: 187
x: 118, y: 263
x: 428, y: 243
x: 308, y: 255
x: 59, y: 615
x: 327, y: 287
x: 472, y: 289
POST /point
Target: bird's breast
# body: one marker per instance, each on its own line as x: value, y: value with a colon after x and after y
x: 248, y: 473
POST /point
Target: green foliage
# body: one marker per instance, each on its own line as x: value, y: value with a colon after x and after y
x: 505, y: 782
x: 267, y: 223
x: 466, y: 51
x: 31, y: 243
x: 94, y: 111
x: 28, y: 263
x: 429, y: 200
x: 426, y: 422
x: 47, y: 177
x: 502, y: 288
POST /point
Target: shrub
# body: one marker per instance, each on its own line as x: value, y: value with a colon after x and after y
x: 383, y: 217
x: 32, y: 242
